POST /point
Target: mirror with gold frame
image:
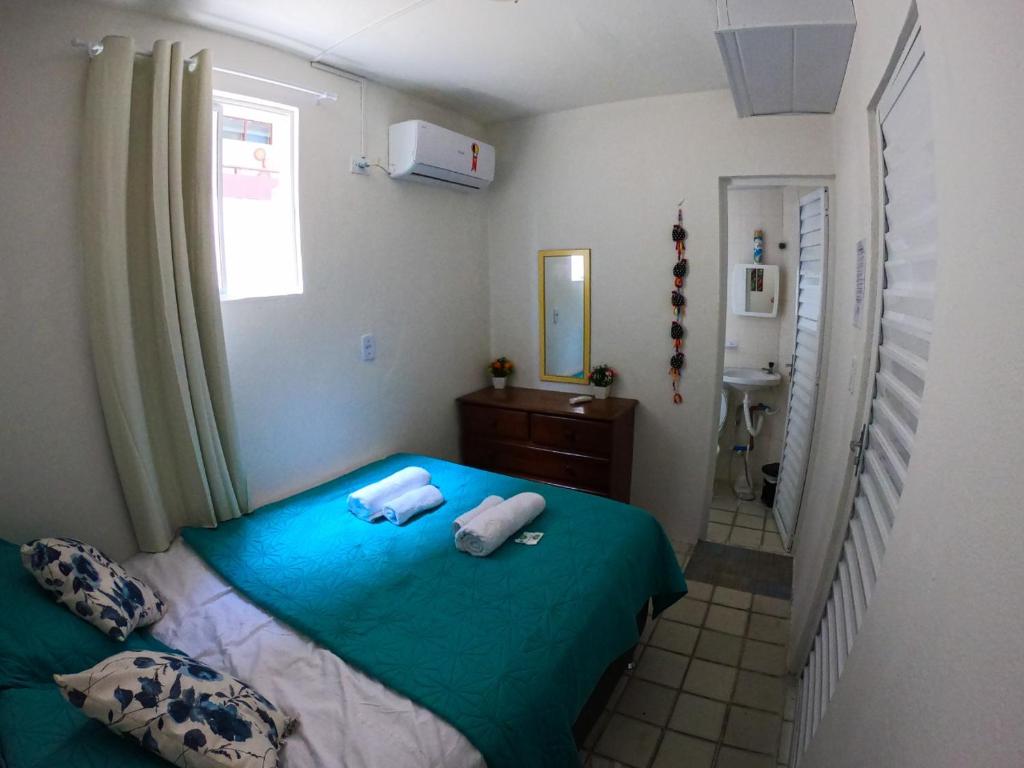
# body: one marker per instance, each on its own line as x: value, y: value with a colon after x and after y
x: 564, y: 280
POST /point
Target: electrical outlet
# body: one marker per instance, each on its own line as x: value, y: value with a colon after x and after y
x: 360, y: 166
x: 367, y: 347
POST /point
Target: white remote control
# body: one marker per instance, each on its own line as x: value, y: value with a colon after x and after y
x: 580, y: 400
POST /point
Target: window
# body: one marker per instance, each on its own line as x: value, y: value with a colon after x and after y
x: 255, y: 192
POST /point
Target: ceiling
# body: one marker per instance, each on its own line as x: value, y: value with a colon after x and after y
x: 488, y: 59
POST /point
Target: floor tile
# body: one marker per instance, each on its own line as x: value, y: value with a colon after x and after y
x: 773, y: 543
x: 744, y: 537
x: 769, y: 524
x: 698, y: 590
x: 714, y: 681
x: 677, y: 750
x: 597, y: 761
x: 660, y: 666
x: 647, y: 701
x: 753, y: 508
x: 718, y: 533
x: 719, y: 647
x: 734, y: 598
x: 752, y: 730
x: 698, y: 716
x: 687, y: 610
x: 760, y: 691
x: 628, y: 741
x: 728, y: 620
x: 771, y: 606
x: 724, y: 501
x: 750, y: 521
x: 763, y: 657
x: 767, y: 628
x: 720, y: 516
x: 675, y: 637
x: 734, y: 758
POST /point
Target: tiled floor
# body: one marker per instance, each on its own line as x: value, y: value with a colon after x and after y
x: 742, y: 523
x: 709, y: 688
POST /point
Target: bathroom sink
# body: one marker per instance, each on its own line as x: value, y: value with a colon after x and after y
x: 749, y: 379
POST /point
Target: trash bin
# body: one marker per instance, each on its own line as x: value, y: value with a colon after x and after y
x: 771, y: 480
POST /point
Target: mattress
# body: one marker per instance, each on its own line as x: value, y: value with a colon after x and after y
x: 346, y: 718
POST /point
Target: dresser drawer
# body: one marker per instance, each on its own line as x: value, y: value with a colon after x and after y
x: 576, y: 435
x: 567, y: 469
x: 495, y: 422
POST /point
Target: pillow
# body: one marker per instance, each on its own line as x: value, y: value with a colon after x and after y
x: 92, y: 585
x: 181, y: 709
x: 39, y: 636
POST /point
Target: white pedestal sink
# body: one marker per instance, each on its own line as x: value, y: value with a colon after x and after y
x: 749, y: 379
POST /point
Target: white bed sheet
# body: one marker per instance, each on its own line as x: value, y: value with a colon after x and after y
x: 346, y: 718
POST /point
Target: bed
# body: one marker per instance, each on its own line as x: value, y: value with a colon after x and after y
x: 392, y: 647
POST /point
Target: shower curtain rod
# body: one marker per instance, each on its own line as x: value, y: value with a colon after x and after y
x: 95, y: 49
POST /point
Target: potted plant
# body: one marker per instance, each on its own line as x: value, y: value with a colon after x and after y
x: 601, y: 379
x: 500, y: 370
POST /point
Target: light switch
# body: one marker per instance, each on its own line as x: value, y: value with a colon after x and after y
x: 732, y: 344
x: 367, y: 347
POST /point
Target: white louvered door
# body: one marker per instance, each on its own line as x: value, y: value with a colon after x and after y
x: 804, y: 376
x: 904, y: 330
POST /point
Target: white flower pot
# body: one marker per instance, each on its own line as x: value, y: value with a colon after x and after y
x: 499, y: 381
x: 601, y: 393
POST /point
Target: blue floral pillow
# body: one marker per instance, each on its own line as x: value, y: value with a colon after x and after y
x: 181, y: 709
x: 92, y: 585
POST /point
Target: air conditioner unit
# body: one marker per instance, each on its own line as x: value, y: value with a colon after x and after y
x: 421, y: 151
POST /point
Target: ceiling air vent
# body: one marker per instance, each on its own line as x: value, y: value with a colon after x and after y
x: 787, y: 56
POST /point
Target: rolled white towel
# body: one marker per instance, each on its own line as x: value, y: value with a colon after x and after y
x: 403, y: 509
x: 490, y: 529
x: 368, y: 502
x: 463, y: 520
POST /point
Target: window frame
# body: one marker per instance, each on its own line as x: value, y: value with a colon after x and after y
x: 220, y: 99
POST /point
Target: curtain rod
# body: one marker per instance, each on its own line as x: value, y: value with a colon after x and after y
x: 95, y: 49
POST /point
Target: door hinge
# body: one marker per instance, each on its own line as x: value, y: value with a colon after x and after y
x: 857, y: 448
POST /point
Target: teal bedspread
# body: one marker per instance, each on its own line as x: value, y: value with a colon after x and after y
x: 506, y: 648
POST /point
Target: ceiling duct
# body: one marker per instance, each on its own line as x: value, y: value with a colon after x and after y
x: 787, y: 56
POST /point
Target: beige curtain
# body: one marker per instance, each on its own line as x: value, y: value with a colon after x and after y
x: 154, y: 303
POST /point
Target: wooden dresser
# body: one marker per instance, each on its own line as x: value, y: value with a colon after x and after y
x: 537, y: 434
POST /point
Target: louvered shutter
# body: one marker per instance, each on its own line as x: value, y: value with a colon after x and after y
x: 904, y: 339
x: 803, y: 385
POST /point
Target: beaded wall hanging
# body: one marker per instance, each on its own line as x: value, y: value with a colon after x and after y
x: 678, y: 331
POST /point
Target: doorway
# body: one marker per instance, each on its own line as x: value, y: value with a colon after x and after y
x: 774, y: 274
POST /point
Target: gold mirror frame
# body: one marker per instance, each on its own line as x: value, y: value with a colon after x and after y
x: 542, y: 314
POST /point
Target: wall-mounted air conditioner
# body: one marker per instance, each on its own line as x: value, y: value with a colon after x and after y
x: 420, y: 151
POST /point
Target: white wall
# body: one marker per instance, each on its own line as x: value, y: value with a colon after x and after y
x: 608, y: 178
x: 379, y: 256
x: 935, y: 677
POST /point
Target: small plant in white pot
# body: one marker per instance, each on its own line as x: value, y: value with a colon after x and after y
x: 500, y: 370
x: 601, y: 379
